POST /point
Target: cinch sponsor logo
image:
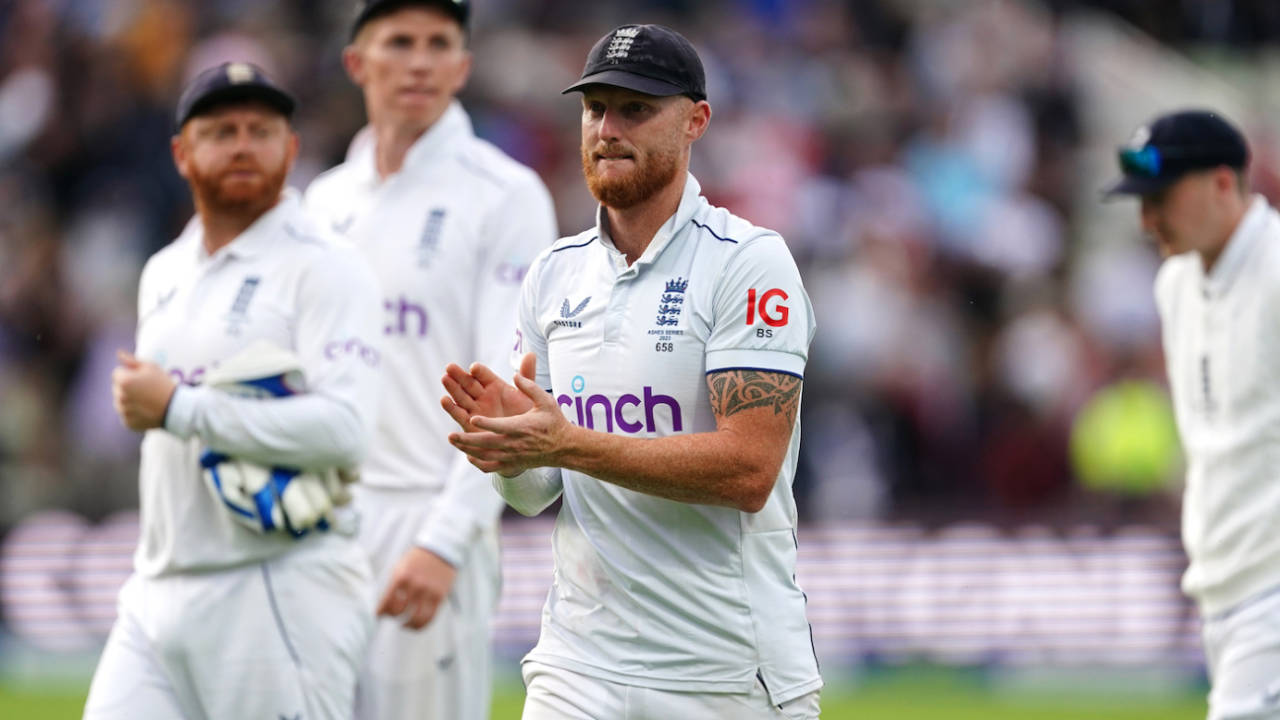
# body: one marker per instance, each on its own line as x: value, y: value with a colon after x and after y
x: 353, y: 347
x: 511, y: 273
x: 404, y: 317
x: 195, y: 376
x: 629, y: 412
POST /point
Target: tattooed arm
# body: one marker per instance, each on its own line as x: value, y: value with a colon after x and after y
x: 735, y: 466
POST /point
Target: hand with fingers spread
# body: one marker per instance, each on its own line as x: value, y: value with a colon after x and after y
x: 509, y: 443
x: 480, y: 391
x: 419, y: 583
x: 140, y: 392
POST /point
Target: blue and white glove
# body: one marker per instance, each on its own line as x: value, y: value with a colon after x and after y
x: 271, y: 499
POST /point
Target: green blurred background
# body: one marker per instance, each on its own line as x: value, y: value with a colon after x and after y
x: 918, y: 694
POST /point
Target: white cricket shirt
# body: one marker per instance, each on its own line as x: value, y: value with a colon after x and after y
x: 1221, y: 336
x: 450, y: 237
x: 285, y: 280
x: 649, y: 591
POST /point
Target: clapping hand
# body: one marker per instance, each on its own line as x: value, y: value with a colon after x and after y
x: 507, y: 429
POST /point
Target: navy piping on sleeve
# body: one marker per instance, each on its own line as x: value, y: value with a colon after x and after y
x: 713, y: 233
x: 769, y: 370
x: 570, y: 247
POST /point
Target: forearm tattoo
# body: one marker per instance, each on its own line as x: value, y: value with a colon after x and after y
x: 733, y: 391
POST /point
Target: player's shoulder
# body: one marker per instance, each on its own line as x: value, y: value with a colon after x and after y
x: 487, y: 165
x: 305, y: 236
x: 1176, y: 269
x: 1175, y: 275
x: 731, y: 233
x: 1270, y: 242
x: 572, y: 247
x: 728, y: 240
x: 330, y: 186
x: 567, y: 254
x: 327, y: 259
x: 182, y: 248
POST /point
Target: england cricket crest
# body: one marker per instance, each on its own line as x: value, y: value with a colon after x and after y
x: 670, y: 306
x: 239, y: 314
x: 672, y: 303
x: 429, y: 241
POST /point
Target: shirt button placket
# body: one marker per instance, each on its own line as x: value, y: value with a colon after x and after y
x: 615, y: 314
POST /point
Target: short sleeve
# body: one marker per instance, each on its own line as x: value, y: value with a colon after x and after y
x: 528, y: 336
x: 763, y: 318
x: 522, y: 226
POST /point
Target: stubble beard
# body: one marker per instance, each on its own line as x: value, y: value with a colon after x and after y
x: 643, y: 182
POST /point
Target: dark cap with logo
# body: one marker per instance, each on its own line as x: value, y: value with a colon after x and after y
x: 1175, y: 144
x: 367, y: 10
x: 651, y: 59
x: 230, y: 82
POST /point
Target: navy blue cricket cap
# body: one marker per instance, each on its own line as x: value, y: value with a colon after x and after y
x: 651, y: 59
x: 230, y: 82
x: 367, y: 10
x: 1175, y: 144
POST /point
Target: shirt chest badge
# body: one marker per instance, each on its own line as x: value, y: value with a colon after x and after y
x: 671, y: 303
x: 670, y: 308
x: 429, y: 240
x: 238, y: 317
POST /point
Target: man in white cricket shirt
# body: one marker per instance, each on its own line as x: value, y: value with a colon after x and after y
x: 1218, y: 292
x: 220, y: 622
x: 450, y: 224
x: 673, y: 338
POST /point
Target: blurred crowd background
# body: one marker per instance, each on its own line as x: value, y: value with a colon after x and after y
x: 987, y: 348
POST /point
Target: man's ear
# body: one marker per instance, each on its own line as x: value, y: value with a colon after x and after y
x: 353, y: 63
x: 466, y: 72
x: 1226, y: 180
x: 295, y: 143
x: 178, y: 147
x: 699, y: 119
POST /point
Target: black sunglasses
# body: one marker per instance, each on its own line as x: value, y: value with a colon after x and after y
x: 1149, y: 161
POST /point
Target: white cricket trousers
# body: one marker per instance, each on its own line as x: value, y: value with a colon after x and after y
x: 445, y: 670
x: 1242, y: 649
x: 281, y: 639
x: 553, y: 693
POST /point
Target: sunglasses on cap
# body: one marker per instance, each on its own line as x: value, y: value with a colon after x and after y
x: 1152, y: 162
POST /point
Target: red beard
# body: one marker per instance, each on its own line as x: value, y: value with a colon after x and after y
x: 218, y: 193
x: 649, y: 176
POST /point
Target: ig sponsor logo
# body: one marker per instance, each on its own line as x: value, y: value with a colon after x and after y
x: 776, y: 315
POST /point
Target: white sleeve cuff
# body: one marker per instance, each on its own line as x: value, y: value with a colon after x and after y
x: 180, y: 418
x: 766, y: 360
x: 530, y: 492
x: 447, y: 535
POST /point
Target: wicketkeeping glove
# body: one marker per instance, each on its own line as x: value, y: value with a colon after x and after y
x: 262, y: 498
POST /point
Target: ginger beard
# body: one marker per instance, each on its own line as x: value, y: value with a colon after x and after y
x: 222, y: 191
x: 653, y: 171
